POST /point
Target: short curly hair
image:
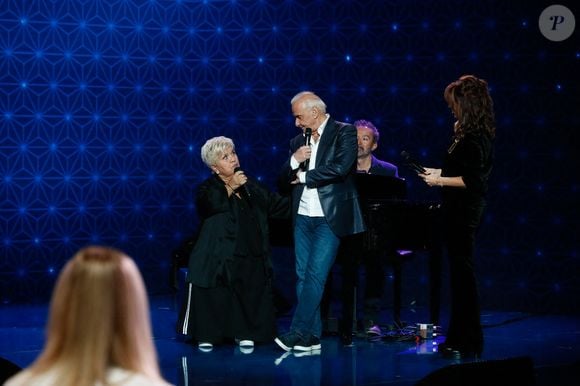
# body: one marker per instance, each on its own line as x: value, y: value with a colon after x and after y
x: 368, y: 125
x: 214, y: 148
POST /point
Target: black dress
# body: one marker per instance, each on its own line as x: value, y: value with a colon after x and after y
x: 471, y: 159
x: 233, y: 298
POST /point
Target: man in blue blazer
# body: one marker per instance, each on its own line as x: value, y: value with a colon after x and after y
x: 352, y: 249
x: 368, y: 141
x: 325, y: 207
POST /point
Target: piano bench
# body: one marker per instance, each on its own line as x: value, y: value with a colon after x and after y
x: 396, y: 261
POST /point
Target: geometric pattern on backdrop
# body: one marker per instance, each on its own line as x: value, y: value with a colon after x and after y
x: 104, y: 106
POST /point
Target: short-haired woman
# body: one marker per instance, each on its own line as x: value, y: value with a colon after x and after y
x: 229, y: 293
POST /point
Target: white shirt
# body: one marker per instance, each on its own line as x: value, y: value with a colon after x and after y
x: 115, y: 376
x: 310, y: 202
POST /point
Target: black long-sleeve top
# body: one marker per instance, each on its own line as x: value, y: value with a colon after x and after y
x: 219, y: 235
x: 472, y: 159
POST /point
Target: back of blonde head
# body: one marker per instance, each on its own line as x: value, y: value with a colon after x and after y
x: 99, y: 317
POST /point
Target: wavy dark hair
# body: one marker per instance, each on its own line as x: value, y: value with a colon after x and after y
x: 469, y: 99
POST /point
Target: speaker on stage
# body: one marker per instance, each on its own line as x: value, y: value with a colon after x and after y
x: 7, y: 369
x: 511, y: 371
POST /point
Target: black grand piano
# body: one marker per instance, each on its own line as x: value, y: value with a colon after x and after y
x: 396, y: 226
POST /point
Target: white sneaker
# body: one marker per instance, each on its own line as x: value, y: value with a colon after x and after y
x: 246, y: 343
x: 205, y: 346
x: 246, y: 349
x: 282, y: 357
x: 313, y: 352
x: 374, y: 331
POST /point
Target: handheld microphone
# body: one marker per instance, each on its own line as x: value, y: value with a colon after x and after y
x: 307, y: 137
x: 243, y: 189
x: 411, y: 163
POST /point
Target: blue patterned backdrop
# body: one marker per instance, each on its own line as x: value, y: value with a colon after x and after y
x: 104, y: 105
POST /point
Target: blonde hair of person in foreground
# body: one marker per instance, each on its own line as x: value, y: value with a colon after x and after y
x: 99, y: 329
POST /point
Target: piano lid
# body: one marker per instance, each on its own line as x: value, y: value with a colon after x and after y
x: 375, y: 187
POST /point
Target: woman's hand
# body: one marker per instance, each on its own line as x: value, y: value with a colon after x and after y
x: 238, y: 179
x: 432, y: 177
x: 433, y: 172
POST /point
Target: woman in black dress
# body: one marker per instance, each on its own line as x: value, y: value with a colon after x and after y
x: 229, y: 293
x: 463, y: 181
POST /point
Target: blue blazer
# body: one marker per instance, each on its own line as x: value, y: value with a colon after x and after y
x: 383, y: 168
x: 333, y: 176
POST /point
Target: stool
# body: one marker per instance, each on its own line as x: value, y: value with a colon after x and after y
x: 397, y: 262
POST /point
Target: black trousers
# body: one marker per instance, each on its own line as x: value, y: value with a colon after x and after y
x: 464, y: 323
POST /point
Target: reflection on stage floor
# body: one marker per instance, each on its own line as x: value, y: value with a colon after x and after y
x: 550, y: 342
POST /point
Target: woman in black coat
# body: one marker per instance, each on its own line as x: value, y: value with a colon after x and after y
x: 229, y: 293
x: 463, y: 181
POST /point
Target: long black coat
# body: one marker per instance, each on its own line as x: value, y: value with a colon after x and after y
x: 218, y: 230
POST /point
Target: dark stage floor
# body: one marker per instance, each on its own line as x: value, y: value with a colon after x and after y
x: 512, y: 339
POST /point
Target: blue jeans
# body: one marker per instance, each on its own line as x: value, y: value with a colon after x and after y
x: 315, y: 248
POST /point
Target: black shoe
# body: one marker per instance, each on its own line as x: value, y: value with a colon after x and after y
x: 346, y: 339
x: 458, y: 350
x: 374, y: 331
x: 287, y: 341
x: 308, y: 344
